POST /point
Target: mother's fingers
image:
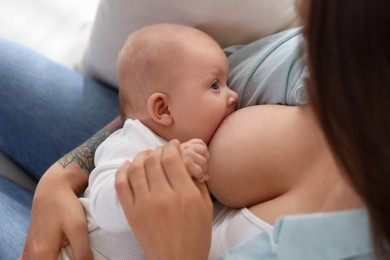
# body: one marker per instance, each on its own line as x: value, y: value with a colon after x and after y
x: 123, y: 187
x: 155, y: 174
x: 173, y: 165
x: 152, y: 172
x: 137, y: 176
x: 79, y: 241
x: 132, y: 188
x: 134, y: 180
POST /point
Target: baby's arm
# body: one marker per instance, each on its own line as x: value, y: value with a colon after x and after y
x: 103, y: 202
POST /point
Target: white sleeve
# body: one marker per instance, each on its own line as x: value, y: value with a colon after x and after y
x: 124, y: 144
x: 104, y: 205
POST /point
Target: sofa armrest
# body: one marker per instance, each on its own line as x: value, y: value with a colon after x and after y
x: 16, y: 174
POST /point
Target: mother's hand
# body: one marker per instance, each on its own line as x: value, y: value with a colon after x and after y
x: 57, y: 218
x: 170, y: 214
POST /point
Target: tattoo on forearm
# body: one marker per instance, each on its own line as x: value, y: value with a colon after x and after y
x: 84, y: 154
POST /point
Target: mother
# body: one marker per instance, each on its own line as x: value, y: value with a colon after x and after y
x: 349, y: 62
x: 338, y: 59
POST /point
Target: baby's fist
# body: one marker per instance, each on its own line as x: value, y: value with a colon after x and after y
x: 195, y: 156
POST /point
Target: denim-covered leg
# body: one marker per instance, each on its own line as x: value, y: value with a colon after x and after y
x: 15, y: 206
x: 46, y: 109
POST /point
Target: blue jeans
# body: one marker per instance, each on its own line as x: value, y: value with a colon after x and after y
x: 46, y: 110
x: 15, y: 205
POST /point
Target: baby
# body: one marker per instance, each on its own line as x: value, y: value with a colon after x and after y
x: 172, y: 85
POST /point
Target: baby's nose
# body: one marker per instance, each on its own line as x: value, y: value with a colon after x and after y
x: 232, y: 98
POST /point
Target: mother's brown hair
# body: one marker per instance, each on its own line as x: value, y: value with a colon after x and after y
x: 349, y: 59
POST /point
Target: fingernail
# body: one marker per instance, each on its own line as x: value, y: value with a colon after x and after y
x: 126, y: 163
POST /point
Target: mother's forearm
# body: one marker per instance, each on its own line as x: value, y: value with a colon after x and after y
x: 78, y: 163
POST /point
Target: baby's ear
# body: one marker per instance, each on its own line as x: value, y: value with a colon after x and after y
x: 158, y: 106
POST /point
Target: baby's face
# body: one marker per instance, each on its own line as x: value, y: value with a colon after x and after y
x: 201, y: 97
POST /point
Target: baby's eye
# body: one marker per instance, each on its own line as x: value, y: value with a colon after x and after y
x: 215, y: 85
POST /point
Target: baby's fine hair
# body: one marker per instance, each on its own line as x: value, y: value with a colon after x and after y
x: 143, y: 64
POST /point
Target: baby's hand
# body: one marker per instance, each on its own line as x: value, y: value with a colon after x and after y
x: 195, y: 157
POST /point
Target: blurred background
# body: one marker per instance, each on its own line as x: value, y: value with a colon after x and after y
x: 59, y: 29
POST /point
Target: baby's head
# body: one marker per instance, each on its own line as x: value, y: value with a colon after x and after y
x: 173, y: 79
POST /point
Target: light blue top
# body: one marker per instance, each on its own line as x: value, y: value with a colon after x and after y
x: 271, y: 70
x: 336, y: 235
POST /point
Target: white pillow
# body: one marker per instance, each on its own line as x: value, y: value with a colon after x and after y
x: 228, y: 21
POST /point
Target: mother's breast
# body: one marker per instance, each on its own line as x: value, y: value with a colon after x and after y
x: 250, y: 154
